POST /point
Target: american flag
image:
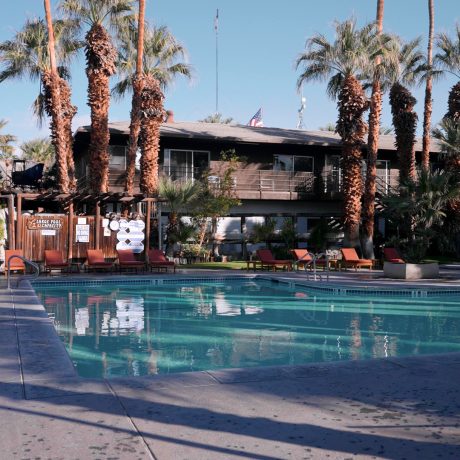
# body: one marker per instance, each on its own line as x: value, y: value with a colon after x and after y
x: 256, y: 120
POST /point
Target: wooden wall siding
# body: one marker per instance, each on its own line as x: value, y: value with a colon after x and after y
x: 34, y: 243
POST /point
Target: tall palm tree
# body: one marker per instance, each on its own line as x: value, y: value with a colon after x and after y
x: 51, y: 79
x: 152, y: 115
x: 6, y: 149
x: 352, y: 53
x: 101, y: 55
x: 407, y: 66
x: 27, y: 56
x: 449, y: 60
x: 372, y: 151
x: 428, y: 92
x: 448, y: 135
x: 164, y: 58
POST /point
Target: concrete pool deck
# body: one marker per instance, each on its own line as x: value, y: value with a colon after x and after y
x: 391, y: 408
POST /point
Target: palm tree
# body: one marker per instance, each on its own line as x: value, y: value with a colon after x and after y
x: 449, y: 59
x: 51, y: 79
x: 178, y: 196
x: 162, y: 57
x: 27, y: 56
x: 6, y: 149
x: 448, y: 135
x: 152, y: 115
x: 352, y: 53
x: 407, y: 66
x: 217, y: 118
x: 101, y: 57
x: 372, y: 151
x: 428, y: 92
x: 40, y: 150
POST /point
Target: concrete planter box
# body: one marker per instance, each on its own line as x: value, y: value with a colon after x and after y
x: 411, y: 271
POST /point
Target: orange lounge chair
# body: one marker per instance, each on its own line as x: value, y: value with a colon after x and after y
x: 126, y: 259
x: 95, y: 260
x: 268, y: 261
x: 302, y: 257
x: 392, y: 255
x: 16, y: 264
x: 351, y: 259
x: 156, y: 259
x: 55, y: 261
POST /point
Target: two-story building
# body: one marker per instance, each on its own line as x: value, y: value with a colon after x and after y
x: 287, y: 173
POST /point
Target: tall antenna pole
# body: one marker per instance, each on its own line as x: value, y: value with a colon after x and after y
x: 303, y: 104
x: 216, y: 28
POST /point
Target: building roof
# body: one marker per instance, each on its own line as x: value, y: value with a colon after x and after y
x: 239, y: 133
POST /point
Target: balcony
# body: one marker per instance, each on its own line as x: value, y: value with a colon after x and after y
x: 264, y: 184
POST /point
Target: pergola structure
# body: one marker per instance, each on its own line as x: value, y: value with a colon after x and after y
x: 66, y: 203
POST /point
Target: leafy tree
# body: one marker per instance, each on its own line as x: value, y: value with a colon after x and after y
x: 217, y: 195
x: 328, y: 127
x: 6, y: 149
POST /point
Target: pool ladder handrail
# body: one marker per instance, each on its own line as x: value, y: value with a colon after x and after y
x: 316, y: 275
x: 27, y: 262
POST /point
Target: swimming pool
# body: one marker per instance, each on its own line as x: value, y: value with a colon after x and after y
x: 116, y: 330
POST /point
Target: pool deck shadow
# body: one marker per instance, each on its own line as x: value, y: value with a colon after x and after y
x: 389, y: 408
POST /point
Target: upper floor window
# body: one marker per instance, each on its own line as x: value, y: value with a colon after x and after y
x: 117, y: 156
x: 185, y: 164
x: 293, y: 163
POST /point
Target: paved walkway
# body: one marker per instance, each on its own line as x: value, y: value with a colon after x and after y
x: 407, y: 408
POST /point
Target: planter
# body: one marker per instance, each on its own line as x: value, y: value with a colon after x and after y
x: 411, y: 271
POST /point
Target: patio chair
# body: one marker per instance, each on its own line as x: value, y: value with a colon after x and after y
x: 16, y: 264
x: 156, y: 259
x: 351, y: 259
x: 392, y: 255
x: 55, y: 261
x: 268, y: 261
x: 95, y: 260
x: 126, y: 259
x: 303, y: 258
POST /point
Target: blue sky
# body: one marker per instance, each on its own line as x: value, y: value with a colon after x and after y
x: 258, y: 45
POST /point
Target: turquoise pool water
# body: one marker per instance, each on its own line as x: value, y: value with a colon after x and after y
x: 142, y: 330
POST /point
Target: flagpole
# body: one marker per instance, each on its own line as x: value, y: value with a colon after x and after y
x: 216, y: 28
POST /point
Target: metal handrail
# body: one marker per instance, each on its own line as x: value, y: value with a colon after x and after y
x: 315, y: 258
x: 26, y: 261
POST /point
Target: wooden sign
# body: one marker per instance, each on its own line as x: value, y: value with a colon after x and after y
x: 44, y: 222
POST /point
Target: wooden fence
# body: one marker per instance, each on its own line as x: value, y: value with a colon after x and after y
x: 37, y: 233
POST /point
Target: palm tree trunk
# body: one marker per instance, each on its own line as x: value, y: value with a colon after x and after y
x: 50, y: 80
x: 101, y: 57
x: 352, y: 104
x: 405, y: 123
x: 138, y: 84
x: 152, y: 115
x: 372, y: 152
x: 68, y: 111
x: 428, y: 94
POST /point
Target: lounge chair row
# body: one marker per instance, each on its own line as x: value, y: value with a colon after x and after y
x: 54, y: 260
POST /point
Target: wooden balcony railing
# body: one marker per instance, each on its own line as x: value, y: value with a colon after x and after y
x: 263, y: 184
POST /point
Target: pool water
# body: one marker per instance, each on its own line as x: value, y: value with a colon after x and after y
x: 142, y: 330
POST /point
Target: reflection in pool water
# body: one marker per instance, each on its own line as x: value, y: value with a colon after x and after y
x: 143, y: 330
